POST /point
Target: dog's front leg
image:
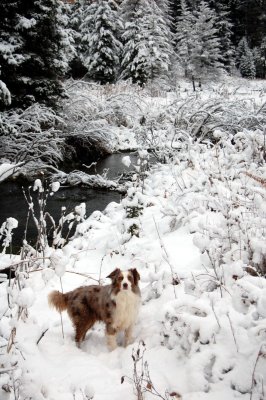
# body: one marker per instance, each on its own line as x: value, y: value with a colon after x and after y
x: 128, y: 336
x: 111, y: 337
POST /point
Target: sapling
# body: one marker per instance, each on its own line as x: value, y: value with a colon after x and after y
x: 141, y: 380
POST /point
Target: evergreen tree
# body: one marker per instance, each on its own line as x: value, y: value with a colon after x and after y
x: 198, y: 44
x: 147, y: 50
x: 104, y: 46
x: 241, y: 50
x: 11, y: 53
x: 247, y: 66
x: 186, y: 38
x: 259, y: 56
x: 245, y: 60
x: 37, y: 29
x: 207, y: 53
x: 174, y: 12
x: 87, y: 14
x: 76, y: 16
x: 250, y: 20
x: 225, y: 32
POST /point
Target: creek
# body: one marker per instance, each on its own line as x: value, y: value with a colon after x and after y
x: 13, y: 204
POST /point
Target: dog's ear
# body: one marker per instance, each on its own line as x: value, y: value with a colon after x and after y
x: 135, y: 274
x: 114, y: 274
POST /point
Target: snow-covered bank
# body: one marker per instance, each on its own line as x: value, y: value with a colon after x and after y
x: 195, y: 230
x: 97, y: 120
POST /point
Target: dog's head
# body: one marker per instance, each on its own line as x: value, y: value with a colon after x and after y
x: 124, y: 280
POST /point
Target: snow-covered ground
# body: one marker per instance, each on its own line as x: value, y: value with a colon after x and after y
x: 195, y: 230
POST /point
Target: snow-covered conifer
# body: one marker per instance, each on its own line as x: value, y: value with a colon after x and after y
x: 259, y: 55
x: 76, y: 20
x: 185, y: 38
x: 247, y: 66
x: 224, y: 25
x: 11, y: 55
x: 104, y: 45
x: 207, y: 53
x: 241, y: 49
x: 5, y: 95
x: 36, y: 51
x: 245, y: 60
x: 198, y: 44
x: 147, y: 41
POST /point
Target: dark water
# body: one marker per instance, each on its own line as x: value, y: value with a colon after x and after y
x: 13, y: 204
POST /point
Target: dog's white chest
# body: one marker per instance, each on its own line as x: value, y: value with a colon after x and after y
x: 126, y: 311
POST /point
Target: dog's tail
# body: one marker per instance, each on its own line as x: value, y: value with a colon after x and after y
x: 57, y: 300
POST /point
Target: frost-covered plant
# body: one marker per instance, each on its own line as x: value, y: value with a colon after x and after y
x: 31, y: 136
x: 195, y: 119
x: 93, y: 113
x: 41, y: 217
x: 141, y: 378
x: 6, y: 233
x: 215, y: 194
x: 133, y: 204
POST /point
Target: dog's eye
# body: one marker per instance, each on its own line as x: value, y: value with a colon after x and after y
x: 130, y: 278
x: 120, y: 278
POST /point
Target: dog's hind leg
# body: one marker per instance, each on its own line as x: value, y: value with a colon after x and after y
x: 81, y: 330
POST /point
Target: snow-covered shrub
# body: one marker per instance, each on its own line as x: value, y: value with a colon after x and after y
x: 133, y: 204
x: 44, y: 222
x: 197, y: 118
x: 31, y: 137
x: 5, y: 95
x: 94, y: 114
x: 6, y: 233
x: 215, y: 193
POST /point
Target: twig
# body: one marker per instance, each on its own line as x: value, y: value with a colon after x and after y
x: 5, y: 370
x: 260, y: 353
x: 212, y: 306
x: 42, y: 335
x: 233, y: 332
x: 167, y: 256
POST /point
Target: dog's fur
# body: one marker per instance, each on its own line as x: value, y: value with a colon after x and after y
x: 116, y: 305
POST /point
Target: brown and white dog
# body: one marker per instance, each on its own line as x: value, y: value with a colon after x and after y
x: 116, y: 305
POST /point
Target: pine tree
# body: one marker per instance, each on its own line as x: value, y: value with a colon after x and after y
x: 245, y: 59
x: 186, y: 38
x: 147, y: 49
x: 225, y: 32
x: 207, y: 52
x: 11, y: 53
x: 250, y: 20
x: 87, y: 14
x: 198, y: 44
x: 75, y: 16
x: 104, y: 45
x: 241, y: 50
x: 259, y: 56
x: 247, y: 66
x: 38, y: 30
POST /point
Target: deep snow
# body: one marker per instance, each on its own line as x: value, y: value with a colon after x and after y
x: 194, y: 229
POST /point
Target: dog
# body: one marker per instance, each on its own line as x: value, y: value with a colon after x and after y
x: 117, y: 305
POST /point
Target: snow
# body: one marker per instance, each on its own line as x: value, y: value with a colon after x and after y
x: 55, y: 186
x: 7, y: 169
x: 38, y: 186
x: 5, y: 94
x: 194, y: 228
x: 126, y: 161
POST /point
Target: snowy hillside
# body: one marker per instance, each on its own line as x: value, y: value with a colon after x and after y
x: 195, y: 229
